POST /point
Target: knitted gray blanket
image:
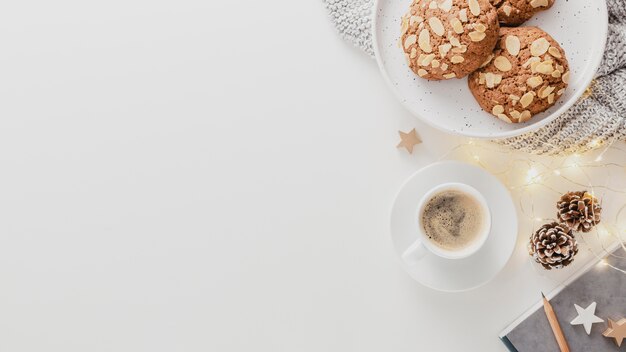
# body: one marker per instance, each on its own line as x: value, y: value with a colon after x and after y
x: 599, y: 116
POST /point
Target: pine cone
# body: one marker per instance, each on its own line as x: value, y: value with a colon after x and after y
x: 553, y: 246
x: 580, y: 211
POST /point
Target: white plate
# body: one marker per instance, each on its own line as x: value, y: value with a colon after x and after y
x: 580, y: 27
x: 454, y: 275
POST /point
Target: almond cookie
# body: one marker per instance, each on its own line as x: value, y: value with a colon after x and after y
x: 527, y: 74
x: 445, y: 39
x: 516, y: 12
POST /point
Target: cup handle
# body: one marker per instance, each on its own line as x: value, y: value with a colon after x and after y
x: 414, y: 253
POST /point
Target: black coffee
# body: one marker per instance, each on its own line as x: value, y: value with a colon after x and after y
x: 452, y: 219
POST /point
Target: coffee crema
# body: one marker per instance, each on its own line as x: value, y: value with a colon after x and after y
x: 452, y: 220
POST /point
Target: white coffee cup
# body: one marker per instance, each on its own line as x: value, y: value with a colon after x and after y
x: 423, y: 245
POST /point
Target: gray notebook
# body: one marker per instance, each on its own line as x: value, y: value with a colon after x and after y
x: 595, y: 283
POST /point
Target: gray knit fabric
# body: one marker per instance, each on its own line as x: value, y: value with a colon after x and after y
x: 599, y: 116
x: 353, y: 21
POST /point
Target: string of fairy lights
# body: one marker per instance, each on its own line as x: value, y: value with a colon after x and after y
x: 524, y: 174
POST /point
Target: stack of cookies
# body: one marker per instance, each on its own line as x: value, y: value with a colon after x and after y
x: 513, y: 72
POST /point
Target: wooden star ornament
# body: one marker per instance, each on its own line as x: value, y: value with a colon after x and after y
x: 616, y: 330
x: 409, y: 140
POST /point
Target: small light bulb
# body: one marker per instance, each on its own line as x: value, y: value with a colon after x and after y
x: 599, y: 158
x: 532, y: 176
x: 557, y: 172
x: 538, y: 219
x: 594, y: 143
x: 476, y: 157
x: 603, y: 232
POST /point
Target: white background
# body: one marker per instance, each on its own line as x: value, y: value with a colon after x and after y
x: 212, y: 176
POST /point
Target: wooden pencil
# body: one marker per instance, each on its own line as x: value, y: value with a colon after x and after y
x: 554, y: 324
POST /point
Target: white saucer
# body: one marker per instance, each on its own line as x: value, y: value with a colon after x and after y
x: 460, y: 274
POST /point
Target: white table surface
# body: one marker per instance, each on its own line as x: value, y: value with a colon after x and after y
x: 201, y: 175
